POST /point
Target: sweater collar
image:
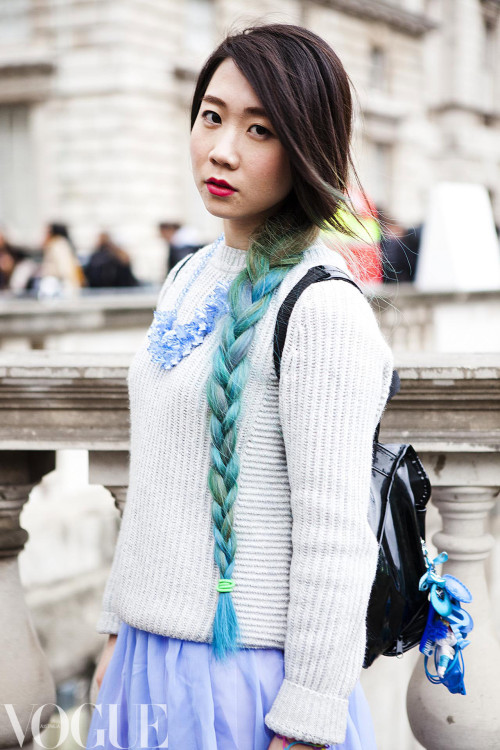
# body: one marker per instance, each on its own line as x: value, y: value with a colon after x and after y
x: 232, y: 259
x: 229, y: 259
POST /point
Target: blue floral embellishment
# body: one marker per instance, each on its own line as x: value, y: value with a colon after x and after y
x: 169, y: 341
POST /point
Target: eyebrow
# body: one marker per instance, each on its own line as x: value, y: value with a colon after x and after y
x: 259, y: 111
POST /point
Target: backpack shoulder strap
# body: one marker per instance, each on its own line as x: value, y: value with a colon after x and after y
x: 313, y: 275
x: 188, y: 257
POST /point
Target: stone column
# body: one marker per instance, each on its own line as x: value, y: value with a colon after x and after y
x: 25, y: 679
x: 449, y: 411
x: 441, y: 720
x: 48, y: 401
x: 119, y: 495
x: 110, y: 469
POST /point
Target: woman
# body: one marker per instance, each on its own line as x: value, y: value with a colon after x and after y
x: 262, y: 648
x: 59, y: 259
x: 10, y: 257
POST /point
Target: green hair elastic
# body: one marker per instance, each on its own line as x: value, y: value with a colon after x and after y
x: 225, y: 585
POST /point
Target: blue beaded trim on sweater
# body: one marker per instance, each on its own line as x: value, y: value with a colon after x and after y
x: 169, y: 341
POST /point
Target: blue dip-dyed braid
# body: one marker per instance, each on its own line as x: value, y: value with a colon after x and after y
x: 249, y: 297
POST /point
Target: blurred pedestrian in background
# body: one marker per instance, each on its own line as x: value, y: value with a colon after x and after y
x: 399, y: 247
x: 109, y: 265
x: 60, y: 271
x: 412, y: 240
x: 181, y: 240
x: 10, y: 257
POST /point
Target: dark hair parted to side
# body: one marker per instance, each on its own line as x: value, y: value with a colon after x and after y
x: 306, y: 94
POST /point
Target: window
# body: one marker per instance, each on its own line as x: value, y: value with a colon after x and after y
x: 381, y: 157
x: 199, y: 28
x: 489, y: 62
x: 18, y: 209
x: 15, y: 26
x: 489, y: 48
x: 378, y: 68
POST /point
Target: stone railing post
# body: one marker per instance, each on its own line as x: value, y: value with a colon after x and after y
x: 451, y: 416
x: 119, y: 496
x: 439, y: 719
x: 26, y: 682
x: 110, y: 469
x: 48, y: 402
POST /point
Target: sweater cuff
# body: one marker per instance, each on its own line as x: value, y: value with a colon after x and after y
x: 108, y: 622
x: 306, y: 715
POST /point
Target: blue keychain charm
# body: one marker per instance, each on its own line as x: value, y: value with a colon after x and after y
x: 447, y: 625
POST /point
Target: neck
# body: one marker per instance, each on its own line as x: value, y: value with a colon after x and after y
x: 237, y: 234
x: 237, y: 231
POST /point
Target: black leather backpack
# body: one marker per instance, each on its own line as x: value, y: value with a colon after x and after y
x: 400, y: 489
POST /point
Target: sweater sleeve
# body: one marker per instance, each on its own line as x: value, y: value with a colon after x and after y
x: 108, y: 621
x: 335, y: 378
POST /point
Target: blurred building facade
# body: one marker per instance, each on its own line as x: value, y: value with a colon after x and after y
x: 94, y: 106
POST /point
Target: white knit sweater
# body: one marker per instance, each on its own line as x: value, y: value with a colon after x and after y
x: 306, y: 556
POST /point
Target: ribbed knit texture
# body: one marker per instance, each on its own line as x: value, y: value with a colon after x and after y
x: 306, y: 556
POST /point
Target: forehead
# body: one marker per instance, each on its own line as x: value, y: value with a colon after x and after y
x: 229, y: 83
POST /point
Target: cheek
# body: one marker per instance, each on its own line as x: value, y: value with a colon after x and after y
x: 196, y: 146
x: 273, y: 171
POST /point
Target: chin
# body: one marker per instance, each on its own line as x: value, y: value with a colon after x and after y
x: 219, y: 212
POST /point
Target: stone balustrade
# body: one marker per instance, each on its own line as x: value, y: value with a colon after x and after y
x: 449, y: 411
x: 412, y: 321
x: 39, y: 323
x: 415, y: 321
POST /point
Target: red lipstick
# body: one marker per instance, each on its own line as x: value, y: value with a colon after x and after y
x: 219, y: 187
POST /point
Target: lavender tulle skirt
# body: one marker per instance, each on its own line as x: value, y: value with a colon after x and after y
x: 162, y: 692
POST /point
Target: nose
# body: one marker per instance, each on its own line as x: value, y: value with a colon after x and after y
x: 224, y: 151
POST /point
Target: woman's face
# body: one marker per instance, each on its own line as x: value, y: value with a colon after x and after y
x: 233, y: 140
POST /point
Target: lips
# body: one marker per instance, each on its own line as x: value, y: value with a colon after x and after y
x: 219, y: 183
x: 220, y: 187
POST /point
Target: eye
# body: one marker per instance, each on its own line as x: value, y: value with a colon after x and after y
x: 261, y: 128
x: 205, y: 116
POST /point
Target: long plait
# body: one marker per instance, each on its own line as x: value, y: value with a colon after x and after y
x: 248, y: 302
